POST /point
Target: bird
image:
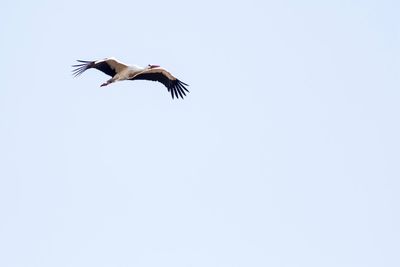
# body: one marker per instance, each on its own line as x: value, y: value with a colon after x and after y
x: 120, y: 72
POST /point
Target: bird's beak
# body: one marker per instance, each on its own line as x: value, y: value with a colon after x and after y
x: 154, y: 66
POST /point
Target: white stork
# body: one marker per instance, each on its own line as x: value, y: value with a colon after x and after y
x: 120, y: 72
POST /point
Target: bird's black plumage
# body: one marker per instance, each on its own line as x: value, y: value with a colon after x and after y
x: 175, y: 86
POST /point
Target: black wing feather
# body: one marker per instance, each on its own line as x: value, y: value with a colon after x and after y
x: 176, y: 87
x: 85, y: 65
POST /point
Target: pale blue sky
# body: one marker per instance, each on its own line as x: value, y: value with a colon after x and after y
x: 285, y: 153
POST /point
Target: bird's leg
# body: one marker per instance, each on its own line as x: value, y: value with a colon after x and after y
x: 107, y: 82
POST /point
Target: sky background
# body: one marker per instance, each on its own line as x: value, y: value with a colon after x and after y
x: 286, y: 152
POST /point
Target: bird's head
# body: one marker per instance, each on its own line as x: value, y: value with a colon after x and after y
x: 150, y: 66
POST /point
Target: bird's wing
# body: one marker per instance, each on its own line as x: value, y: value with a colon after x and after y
x: 174, y: 85
x: 115, y: 64
x: 109, y: 66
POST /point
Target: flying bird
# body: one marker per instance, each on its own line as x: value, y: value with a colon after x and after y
x: 120, y: 72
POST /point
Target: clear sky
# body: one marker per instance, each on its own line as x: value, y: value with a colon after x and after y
x: 286, y: 152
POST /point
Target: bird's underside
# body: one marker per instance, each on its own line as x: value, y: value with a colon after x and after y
x: 120, y: 72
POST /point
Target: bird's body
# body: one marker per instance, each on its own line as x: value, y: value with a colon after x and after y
x: 120, y: 72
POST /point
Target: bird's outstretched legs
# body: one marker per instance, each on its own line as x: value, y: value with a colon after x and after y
x: 107, y: 82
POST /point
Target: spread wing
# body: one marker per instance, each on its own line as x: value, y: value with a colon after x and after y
x: 109, y: 66
x: 174, y: 85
